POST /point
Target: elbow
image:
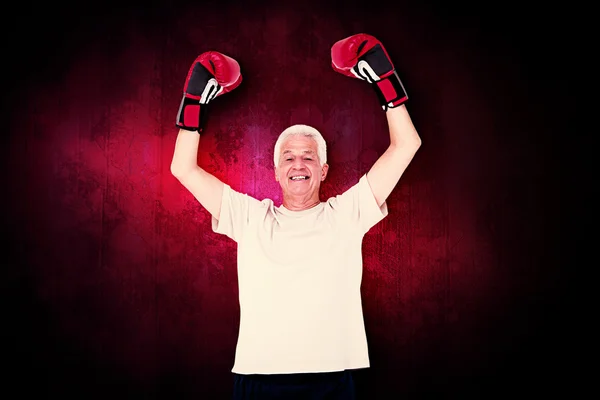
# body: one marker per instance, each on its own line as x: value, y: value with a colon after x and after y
x: 178, y: 171
x: 408, y: 145
x: 416, y: 146
x: 175, y: 170
x: 414, y: 143
x: 416, y: 139
x: 418, y: 143
x: 184, y: 173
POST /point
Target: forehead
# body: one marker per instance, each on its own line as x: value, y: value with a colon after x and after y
x: 299, y: 143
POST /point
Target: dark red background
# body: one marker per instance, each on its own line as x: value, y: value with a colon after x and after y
x: 115, y: 283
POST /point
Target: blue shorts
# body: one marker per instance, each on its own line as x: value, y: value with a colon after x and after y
x: 306, y: 386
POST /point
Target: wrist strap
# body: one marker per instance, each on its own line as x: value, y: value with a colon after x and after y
x: 390, y: 91
x: 191, y: 115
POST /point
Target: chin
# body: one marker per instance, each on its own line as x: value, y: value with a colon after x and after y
x: 297, y: 192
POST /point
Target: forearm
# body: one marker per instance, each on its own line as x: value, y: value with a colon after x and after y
x: 403, y: 133
x: 404, y: 143
x: 185, y: 156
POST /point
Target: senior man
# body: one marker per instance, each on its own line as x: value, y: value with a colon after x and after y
x: 299, y: 264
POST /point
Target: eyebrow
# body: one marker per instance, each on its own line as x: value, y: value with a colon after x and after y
x: 304, y: 151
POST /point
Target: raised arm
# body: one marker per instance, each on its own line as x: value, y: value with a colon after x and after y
x: 212, y: 74
x: 363, y: 56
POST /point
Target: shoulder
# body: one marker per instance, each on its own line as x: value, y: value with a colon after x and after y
x: 350, y: 191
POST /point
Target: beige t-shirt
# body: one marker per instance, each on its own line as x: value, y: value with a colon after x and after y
x: 299, y: 276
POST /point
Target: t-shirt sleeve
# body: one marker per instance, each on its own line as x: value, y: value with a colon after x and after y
x: 358, y: 204
x: 235, y: 214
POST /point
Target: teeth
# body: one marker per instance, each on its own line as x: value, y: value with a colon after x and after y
x: 298, y: 178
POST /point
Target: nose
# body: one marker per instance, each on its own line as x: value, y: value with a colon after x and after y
x: 298, y: 163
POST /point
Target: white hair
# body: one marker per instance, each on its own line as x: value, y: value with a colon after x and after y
x: 301, y: 130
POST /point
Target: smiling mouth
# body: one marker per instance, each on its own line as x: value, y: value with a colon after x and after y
x: 299, y: 178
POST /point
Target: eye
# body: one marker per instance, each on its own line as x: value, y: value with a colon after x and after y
x: 308, y: 158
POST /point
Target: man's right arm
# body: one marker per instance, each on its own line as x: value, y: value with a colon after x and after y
x: 212, y: 74
x: 205, y: 187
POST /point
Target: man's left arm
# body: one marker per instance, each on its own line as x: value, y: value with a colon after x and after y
x: 364, y: 57
x: 404, y: 143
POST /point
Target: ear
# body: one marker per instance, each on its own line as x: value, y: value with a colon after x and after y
x: 276, y: 175
x: 324, y: 170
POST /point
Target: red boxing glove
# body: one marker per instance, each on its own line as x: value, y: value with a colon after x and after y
x: 364, y: 57
x: 212, y: 74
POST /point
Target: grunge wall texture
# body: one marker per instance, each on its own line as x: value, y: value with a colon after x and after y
x: 114, y: 282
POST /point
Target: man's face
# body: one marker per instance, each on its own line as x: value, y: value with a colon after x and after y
x: 299, y: 171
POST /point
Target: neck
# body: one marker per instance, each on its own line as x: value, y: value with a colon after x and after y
x: 296, y: 203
